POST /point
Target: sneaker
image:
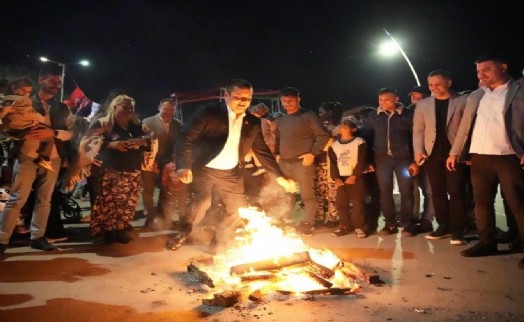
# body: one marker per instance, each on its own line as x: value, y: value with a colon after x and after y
x: 42, y: 244
x: 457, y: 239
x: 341, y: 231
x: 441, y: 233
x: 409, y: 231
x: 45, y: 164
x: 305, y: 228
x: 259, y: 172
x: 360, y: 233
x: 388, y: 230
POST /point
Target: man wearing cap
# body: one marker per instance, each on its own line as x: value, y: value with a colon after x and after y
x: 392, y: 152
x: 435, y: 126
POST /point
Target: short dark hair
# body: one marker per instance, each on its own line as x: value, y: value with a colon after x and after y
x: 495, y: 56
x: 49, y: 72
x: 19, y: 83
x: 289, y: 91
x: 386, y: 90
x: 238, y: 83
x: 167, y: 99
x: 441, y: 72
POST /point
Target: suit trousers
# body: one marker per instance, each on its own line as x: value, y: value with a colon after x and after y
x: 229, y: 188
x: 450, y: 212
x: 487, y: 171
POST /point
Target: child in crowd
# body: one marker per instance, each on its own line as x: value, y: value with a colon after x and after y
x: 19, y: 117
x: 347, y: 163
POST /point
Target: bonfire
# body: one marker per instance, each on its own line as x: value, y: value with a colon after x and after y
x: 267, y: 258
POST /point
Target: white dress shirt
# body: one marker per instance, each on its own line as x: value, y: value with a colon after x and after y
x: 489, y: 134
x: 228, y: 158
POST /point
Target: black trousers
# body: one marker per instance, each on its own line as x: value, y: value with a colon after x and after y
x: 228, y: 185
x: 487, y: 171
x: 449, y: 192
x: 354, y: 194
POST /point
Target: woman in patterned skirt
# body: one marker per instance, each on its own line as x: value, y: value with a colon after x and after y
x: 118, y: 182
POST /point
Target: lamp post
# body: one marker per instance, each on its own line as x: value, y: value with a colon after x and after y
x: 63, y: 65
x: 395, y: 45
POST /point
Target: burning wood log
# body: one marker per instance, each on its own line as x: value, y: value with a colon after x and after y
x: 224, y: 299
x: 195, y: 269
x: 319, y: 279
x: 273, y: 263
x: 354, y: 272
x: 321, y: 270
x: 257, y: 277
x: 327, y: 291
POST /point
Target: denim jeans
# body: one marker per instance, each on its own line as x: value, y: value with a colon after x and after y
x: 26, y: 172
x: 385, y: 167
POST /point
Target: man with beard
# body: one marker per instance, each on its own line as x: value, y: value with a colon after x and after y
x: 58, y: 116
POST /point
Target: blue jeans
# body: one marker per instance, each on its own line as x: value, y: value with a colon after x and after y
x: 385, y: 167
x: 27, y: 172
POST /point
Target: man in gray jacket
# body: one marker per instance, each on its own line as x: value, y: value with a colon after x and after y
x: 435, y: 126
x: 492, y: 133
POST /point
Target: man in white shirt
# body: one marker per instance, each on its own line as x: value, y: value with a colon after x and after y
x: 208, y: 152
x: 492, y: 132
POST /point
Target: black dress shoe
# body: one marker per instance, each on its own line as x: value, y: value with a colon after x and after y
x: 121, y: 236
x: 480, y: 250
x: 42, y: 244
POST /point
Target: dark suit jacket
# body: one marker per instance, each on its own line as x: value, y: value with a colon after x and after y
x: 205, y: 136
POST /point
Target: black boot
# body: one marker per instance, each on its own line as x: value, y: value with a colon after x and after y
x: 121, y: 236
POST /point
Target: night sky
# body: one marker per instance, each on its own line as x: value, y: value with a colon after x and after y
x: 327, y: 49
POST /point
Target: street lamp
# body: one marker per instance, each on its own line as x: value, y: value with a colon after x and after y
x: 83, y: 62
x: 391, y: 47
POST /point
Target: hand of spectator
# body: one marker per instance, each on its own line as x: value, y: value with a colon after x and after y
x: 289, y: 185
x: 451, y: 162
x: 185, y: 175
x: 419, y: 157
x: 40, y: 133
x: 118, y: 145
x: 307, y: 159
x: 136, y: 143
x: 277, y: 158
x: 351, y: 180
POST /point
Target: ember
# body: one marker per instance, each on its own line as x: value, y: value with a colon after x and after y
x: 266, y: 259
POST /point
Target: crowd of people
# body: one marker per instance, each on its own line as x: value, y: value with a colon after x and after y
x: 455, y: 149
